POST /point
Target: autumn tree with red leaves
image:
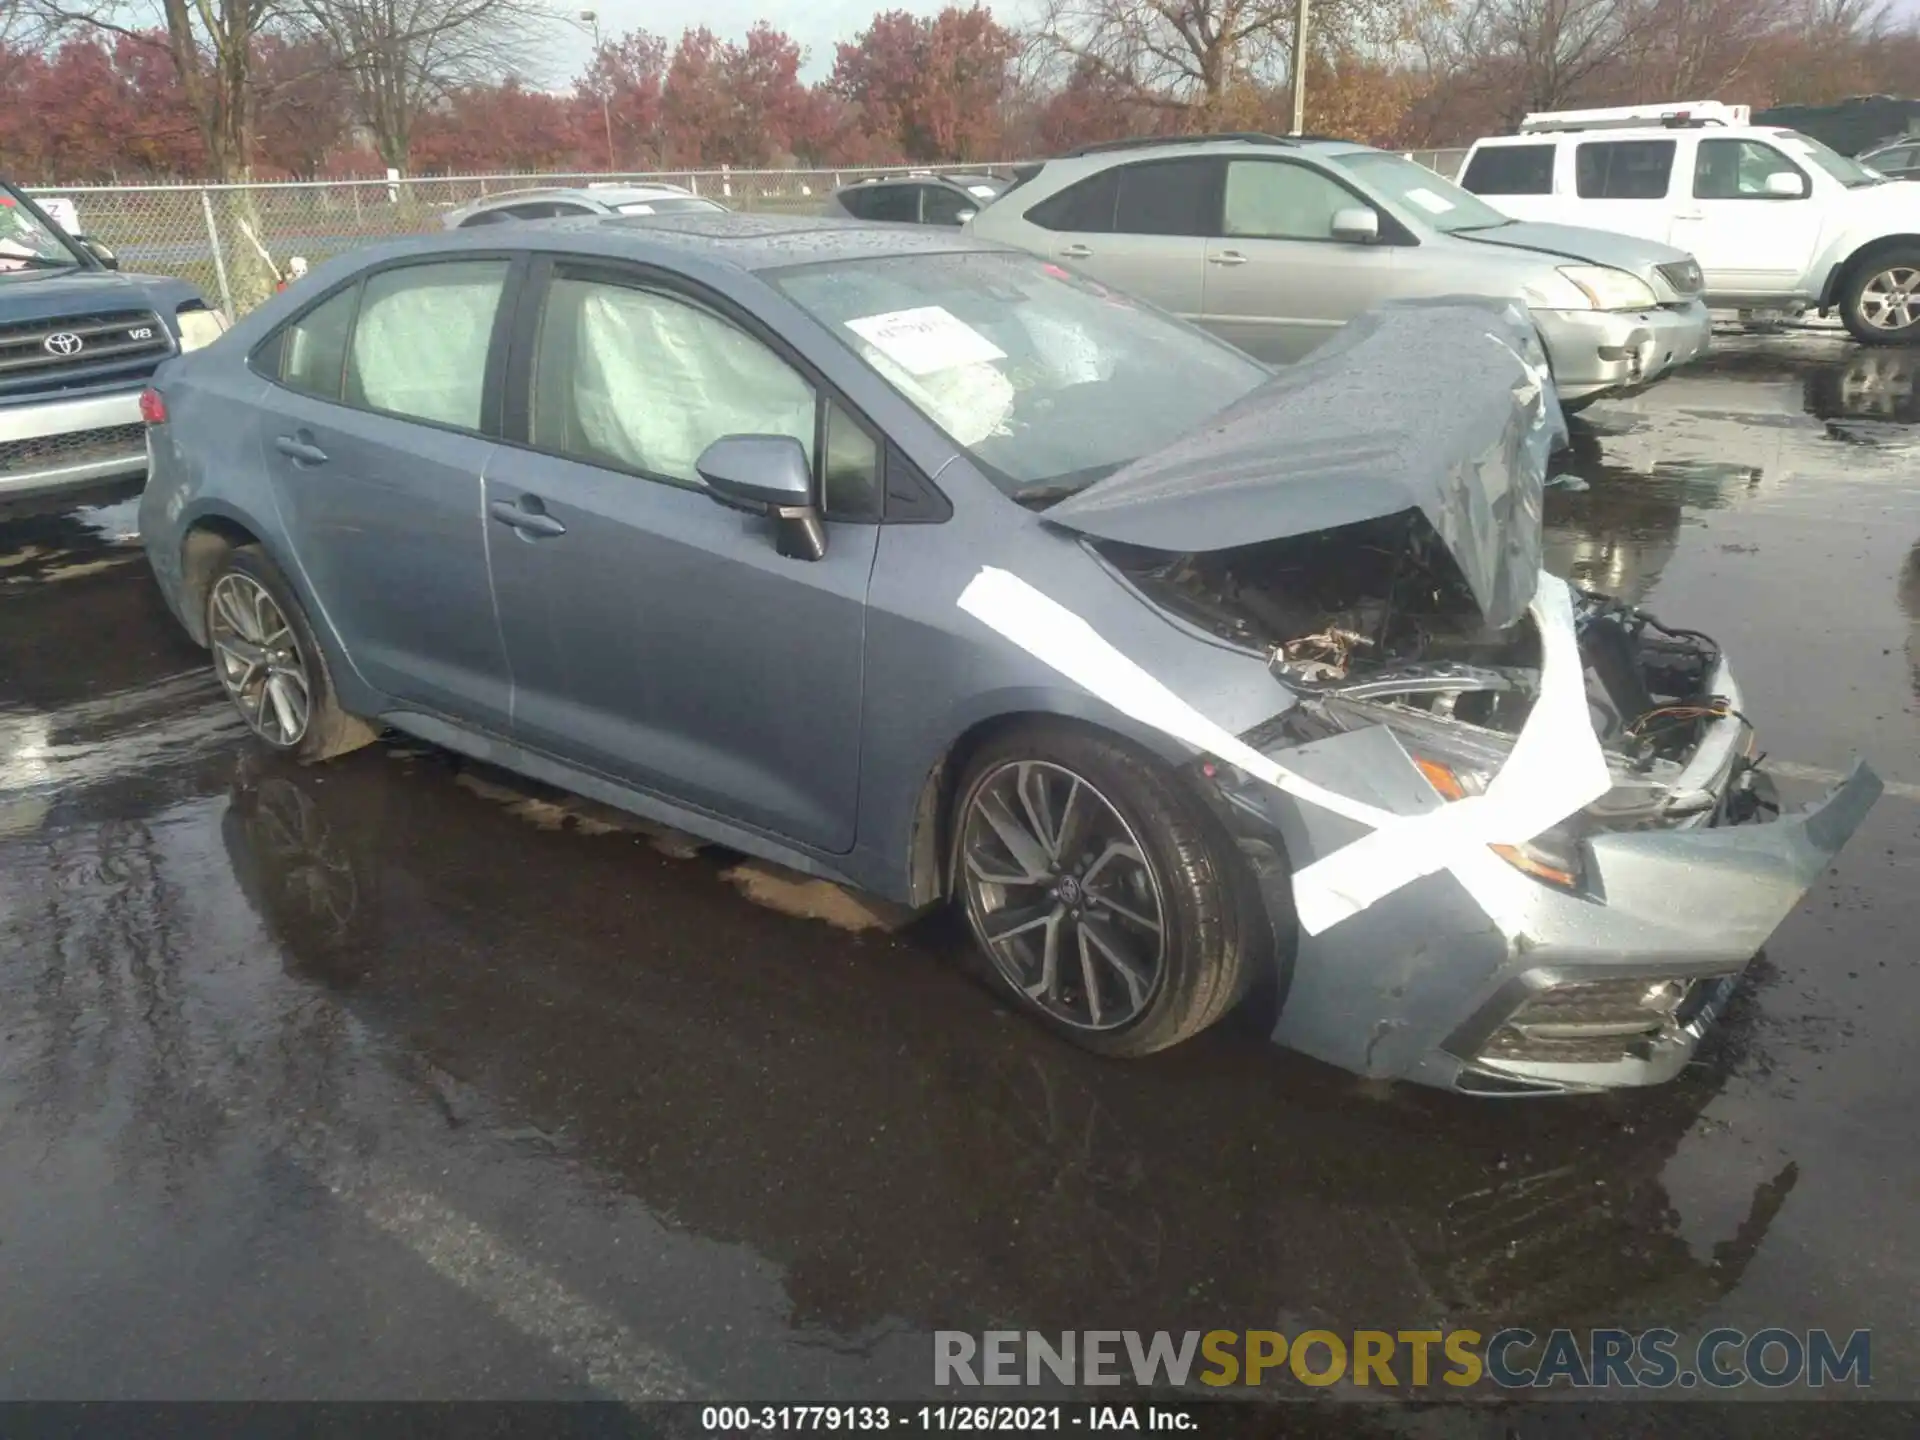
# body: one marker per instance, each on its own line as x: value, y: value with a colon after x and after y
x: 931, y: 85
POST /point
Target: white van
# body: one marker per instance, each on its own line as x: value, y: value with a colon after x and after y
x: 1778, y: 221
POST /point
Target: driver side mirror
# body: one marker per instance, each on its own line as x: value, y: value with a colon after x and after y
x: 100, y: 252
x: 1356, y: 225
x: 1786, y: 185
x: 767, y: 475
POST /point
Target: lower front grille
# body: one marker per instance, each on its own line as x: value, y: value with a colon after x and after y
x: 1598, y: 1022
x: 53, y: 452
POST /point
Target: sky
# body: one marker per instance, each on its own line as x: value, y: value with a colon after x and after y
x: 815, y: 25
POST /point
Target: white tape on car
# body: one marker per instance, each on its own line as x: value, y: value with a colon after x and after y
x: 1555, y: 768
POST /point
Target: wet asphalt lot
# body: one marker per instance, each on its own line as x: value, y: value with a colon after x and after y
x: 395, y: 1078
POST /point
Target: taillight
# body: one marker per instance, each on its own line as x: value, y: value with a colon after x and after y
x: 153, y: 406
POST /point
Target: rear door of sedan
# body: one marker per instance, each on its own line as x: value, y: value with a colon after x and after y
x: 655, y: 636
x: 1139, y: 227
x: 375, y: 434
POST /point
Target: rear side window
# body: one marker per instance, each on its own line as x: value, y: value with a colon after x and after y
x: 1510, y: 170
x: 898, y: 203
x: 419, y: 346
x: 1622, y: 169
x: 485, y: 217
x: 1166, y: 197
x: 313, y: 349
x: 1086, y: 207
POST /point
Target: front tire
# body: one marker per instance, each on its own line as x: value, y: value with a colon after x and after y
x: 1880, y: 302
x: 1103, y: 897
x: 271, y: 667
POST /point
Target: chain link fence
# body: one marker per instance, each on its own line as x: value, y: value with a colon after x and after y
x: 234, y: 242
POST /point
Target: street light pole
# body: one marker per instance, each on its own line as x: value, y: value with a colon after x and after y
x: 1299, y: 67
x: 592, y: 18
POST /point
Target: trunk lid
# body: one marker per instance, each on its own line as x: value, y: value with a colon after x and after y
x: 1439, y: 406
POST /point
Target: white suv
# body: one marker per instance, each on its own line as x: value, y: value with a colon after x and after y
x: 1778, y: 221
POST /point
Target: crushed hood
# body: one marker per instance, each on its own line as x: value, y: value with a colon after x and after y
x: 1443, y: 406
x: 1577, y: 242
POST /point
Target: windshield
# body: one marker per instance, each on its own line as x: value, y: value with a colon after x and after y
x: 26, y: 241
x: 1048, y: 380
x: 1412, y: 186
x: 1849, y: 172
x: 667, y: 205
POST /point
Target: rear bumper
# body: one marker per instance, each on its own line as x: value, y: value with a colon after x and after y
x: 56, y: 444
x: 1595, y: 351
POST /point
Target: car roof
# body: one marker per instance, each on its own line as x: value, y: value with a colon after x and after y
x: 1099, y: 156
x: 727, y: 239
x: 1635, y: 132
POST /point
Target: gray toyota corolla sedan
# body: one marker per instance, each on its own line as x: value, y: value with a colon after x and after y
x: 937, y: 570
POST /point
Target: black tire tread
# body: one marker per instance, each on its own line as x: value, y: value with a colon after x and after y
x: 1856, y: 282
x: 1212, y: 965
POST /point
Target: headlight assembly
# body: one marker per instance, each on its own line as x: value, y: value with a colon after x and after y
x: 1610, y: 289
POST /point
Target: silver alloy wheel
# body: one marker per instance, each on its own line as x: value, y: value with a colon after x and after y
x: 1062, y: 895
x: 258, y: 660
x: 1889, y: 300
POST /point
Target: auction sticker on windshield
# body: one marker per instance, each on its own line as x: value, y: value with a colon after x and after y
x: 925, y: 340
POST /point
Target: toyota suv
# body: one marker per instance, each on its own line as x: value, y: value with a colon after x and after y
x: 1274, y: 244
x: 1779, y: 222
x: 78, y: 341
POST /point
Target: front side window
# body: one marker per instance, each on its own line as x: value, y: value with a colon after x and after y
x: 419, y: 346
x: 26, y: 242
x: 1049, y: 381
x: 642, y: 381
x: 1737, y: 170
x: 1272, y: 200
x: 941, y: 206
x: 897, y: 204
x: 313, y: 349
x: 1623, y: 169
x: 1510, y: 170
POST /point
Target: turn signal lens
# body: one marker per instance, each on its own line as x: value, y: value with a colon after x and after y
x: 1527, y: 859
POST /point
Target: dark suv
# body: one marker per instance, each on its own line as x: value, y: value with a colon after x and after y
x: 77, y: 343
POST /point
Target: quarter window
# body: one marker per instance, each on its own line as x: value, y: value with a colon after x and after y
x: 850, y: 470
x: 1273, y: 200
x: 1737, y: 169
x: 1085, y: 208
x: 313, y: 349
x: 1510, y: 170
x: 641, y: 381
x: 420, y: 344
x: 1623, y: 169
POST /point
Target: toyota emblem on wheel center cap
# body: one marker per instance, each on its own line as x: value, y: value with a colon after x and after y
x: 63, y: 342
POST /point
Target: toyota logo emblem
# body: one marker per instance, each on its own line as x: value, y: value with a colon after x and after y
x: 65, y: 342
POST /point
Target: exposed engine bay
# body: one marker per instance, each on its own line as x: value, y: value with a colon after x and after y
x: 1375, y: 622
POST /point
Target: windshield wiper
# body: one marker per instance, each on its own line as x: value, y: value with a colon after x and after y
x: 39, y: 262
x: 1471, y: 229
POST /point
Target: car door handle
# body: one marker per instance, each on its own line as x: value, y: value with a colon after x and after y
x: 527, y: 522
x: 1227, y: 257
x: 301, y: 452
x: 1688, y: 215
x: 1076, y: 252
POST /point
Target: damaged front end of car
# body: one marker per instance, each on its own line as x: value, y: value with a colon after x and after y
x: 1592, y: 946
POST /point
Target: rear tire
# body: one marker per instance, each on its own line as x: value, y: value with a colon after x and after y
x: 1103, y: 897
x: 266, y: 658
x: 1880, y: 300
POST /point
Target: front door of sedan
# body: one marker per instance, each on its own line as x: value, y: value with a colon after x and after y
x: 1277, y: 281
x: 374, y: 436
x: 654, y: 635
